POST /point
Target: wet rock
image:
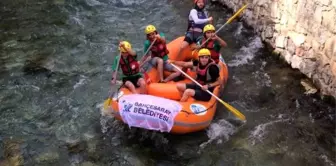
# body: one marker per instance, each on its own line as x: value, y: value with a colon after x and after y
x: 291, y: 46
x: 309, y: 87
x: 75, y: 147
x: 47, y: 157
x: 297, y: 38
x: 329, y: 19
x: 333, y: 68
x: 269, y: 32
x: 299, y: 29
x: 280, y: 41
x: 330, y: 48
x: 35, y: 68
x: 12, y: 152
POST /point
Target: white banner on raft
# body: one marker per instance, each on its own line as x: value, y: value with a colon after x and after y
x: 149, y: 112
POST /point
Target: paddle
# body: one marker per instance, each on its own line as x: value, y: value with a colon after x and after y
x: 145, y: 74
x: 228, y: 106
x: 227, y: 22
x: 115, y: 74
x: 142, y: 59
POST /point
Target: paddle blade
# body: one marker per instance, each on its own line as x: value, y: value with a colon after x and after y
x: 234, y: 110
x: 107, y: 103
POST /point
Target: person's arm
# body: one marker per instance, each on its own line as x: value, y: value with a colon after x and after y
x: 214, y: 73
x: 129, y: 51
x: 197, y: 44
x: 220, y: 41
x: 193, y: 15
x: 115, y: 62
x: 161, y: 37
x: 183, y: 64
x: 114, y: 69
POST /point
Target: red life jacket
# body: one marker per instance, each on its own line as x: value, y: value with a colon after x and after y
x: 159, y: 49
x: 203, y: 75
x: 130, y: 67
x: 211, y: 46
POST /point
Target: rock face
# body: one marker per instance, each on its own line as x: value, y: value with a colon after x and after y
x: 302, y: 31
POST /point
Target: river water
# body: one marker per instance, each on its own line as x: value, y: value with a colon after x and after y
x: 55, y: 58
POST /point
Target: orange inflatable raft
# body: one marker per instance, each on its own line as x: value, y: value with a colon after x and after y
x: 194, y: 115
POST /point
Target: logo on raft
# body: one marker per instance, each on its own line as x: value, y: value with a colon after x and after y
x: 198, y: 109
x: 127, y: 106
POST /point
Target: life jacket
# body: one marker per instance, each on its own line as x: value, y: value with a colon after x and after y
x: 201, y: 15
x: 130, y: 67
x: 203, y: 75
x: 159, y: 49
x: 211, y: 46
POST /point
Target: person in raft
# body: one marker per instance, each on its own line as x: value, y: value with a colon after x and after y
x: 214, y: 44
x: 159, y: 53
x: 129, y: 65
x: 207, y: 75
x: 198, y: 18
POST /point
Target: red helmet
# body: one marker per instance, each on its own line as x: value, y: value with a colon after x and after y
x: 195, y: 1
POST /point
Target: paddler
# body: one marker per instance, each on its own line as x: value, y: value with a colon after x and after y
x: 214, y: 44
x: 159, y: 53
x: 129, y: 65
x: 198, y: 18
x: 207, y: 75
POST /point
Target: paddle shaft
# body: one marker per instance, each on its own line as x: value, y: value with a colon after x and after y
x: 227, y: 22
x: 195, y: 81
x: 230, y: 108
x: 147, y: 52
x: 115, y: 74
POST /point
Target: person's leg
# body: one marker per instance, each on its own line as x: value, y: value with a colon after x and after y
x: 202, y: 95
x: 186, y: 94
x: 142, y: 84
x: 159, y: 62
x: 130, y: 86
x: 186, y: 42
x: 175, y: 74
x: 181, y: 87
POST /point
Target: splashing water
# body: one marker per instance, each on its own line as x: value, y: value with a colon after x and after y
x: 259, y: 132
x: 219, y: 131
x: 246, y: 54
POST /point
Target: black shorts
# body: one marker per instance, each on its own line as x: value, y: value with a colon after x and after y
x: 132, y: 79
x: 192, y: 36
x: 200, y: 94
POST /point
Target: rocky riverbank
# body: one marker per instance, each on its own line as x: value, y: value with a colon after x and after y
x: 302, y: 32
